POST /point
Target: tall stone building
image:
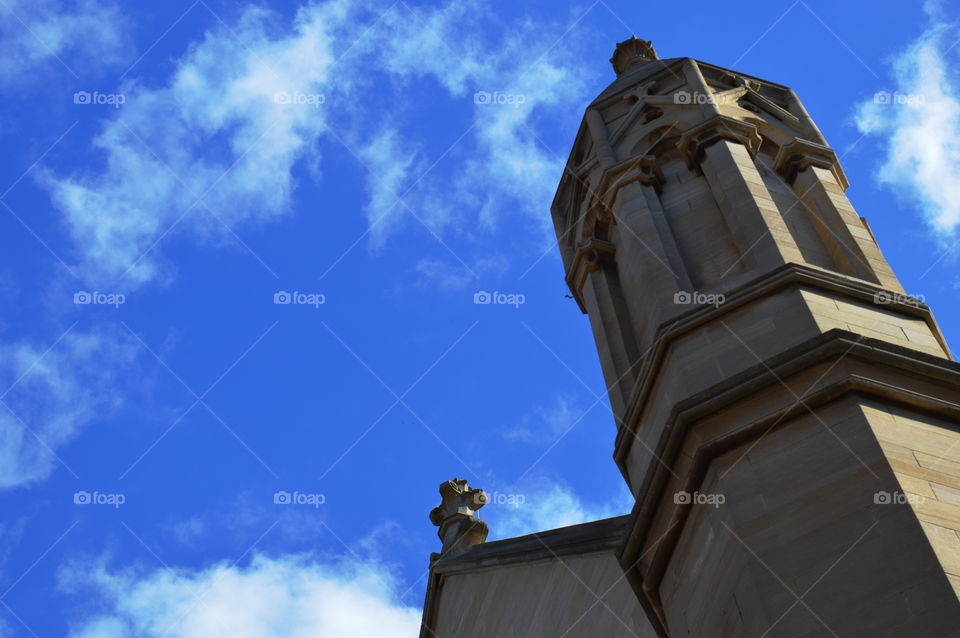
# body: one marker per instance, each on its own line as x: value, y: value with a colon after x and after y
x: 788, y: 419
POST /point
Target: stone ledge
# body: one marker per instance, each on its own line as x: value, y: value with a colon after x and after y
x: 719, y: 127
x: 596, y: 536
x: 800, y: 155
x: 791, y: 274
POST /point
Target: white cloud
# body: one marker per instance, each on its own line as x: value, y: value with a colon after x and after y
x: 543, y: 505
x: 36, y: 32
x: 290, y: 596
x: 215, y: 124
x: 241, y: 108
x: 920, y: 123
x: 55, y: 395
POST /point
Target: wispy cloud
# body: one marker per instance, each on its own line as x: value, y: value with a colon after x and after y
x: 514, y: 85
x: 391, y: 163
x: 50, y: 395
x: 449, y: 276
x: 77, y: 35
x: 919, y: 122
x: 211, y: 150
x: 547, y: 423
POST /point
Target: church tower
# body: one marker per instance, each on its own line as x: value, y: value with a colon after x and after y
x: 787, y: 417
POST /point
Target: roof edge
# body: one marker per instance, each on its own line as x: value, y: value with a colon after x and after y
x: 586, y: 538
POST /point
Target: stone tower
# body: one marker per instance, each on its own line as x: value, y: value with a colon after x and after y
x: 787, y: 418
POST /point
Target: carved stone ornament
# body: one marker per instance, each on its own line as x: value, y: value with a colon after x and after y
x: 632, y: 53
x: 459, y: 529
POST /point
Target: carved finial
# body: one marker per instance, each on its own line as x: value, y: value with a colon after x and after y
x: 631, y: 53
x: 459, y: 528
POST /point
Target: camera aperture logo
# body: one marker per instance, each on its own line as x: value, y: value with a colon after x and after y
x: 284, y: 497
x: 695, y: 297
x: 297, y: 298
x: 97, y: 98
x: 485, y: 98
x: 699, y: 498
x: 98, y: 498
x: 497, y: 298
x: 96, y: 298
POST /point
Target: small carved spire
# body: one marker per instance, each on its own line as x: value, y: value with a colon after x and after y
x: 459, y: 528
x: 632, y: 53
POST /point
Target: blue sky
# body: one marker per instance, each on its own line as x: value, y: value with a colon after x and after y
x: 189, y: 161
